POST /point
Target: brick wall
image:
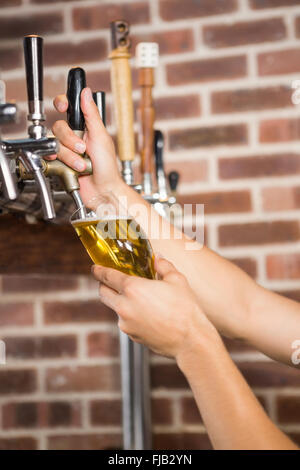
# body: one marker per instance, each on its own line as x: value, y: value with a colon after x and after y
x: 223, y: 100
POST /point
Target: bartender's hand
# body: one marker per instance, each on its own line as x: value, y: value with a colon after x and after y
x: 97, y: 143
x: 164, y: 314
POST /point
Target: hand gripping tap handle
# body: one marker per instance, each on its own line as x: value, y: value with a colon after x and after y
x: 33, y: 55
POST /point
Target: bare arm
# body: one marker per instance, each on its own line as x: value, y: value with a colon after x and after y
x: 235, y: 304
x: 166, y: 316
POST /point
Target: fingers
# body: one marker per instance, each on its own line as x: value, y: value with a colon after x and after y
x: 91, y: 114
x: 110, y: 277
x: 71, y: 142
x: 61, y: 103
x: 109, y: 297
x: 164, y: 267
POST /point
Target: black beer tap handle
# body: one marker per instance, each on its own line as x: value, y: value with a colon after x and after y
x: 33, y: 55
x: 173, y: 180
x: 158, y: 150
x: 76, y: 83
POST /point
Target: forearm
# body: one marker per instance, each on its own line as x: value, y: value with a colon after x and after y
x: 233, y: 417
x: 233, y: 302
x: 225, y: 292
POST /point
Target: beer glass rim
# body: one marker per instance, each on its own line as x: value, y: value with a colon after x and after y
x: 107, y: 197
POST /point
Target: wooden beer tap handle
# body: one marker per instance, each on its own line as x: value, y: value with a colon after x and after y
x: 122, y: 89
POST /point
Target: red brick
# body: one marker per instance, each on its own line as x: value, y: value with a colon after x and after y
x: 83, y: 378
x: 106, y: 412
x: 170, y: 42
x: 12, y: 27
x: 259, y: 233
x: 92, y: 50
x: 297, y: 26
x: 177, y: 10
x: 11, y: 57
x: 85, y: 442
x: 279, y: 199
x: 236, y: 101
x: 206, y: 70
x: 259, y: 4
x: 189, y: 411
x: 279, y: 62
x: 172, y: 107
x: 246, y: 264
x: 295, y: 437
x: 41, y: 347
x: 19, y: 127
x: 77, y: 312
x: 38, y: 283
x: 19, y: 314
x: 220, y: 202
x: 259, y: 166
x: 288, y: 409
x: 234, y: 345
x: 279, y: 130
x: 41, y: 414
x: 101, y: 344
x: 161, y: 411
x: 269, y: 374
x: 189, y: 170
x: 99, y: 80
x: 99, y: 16
x: 53, y: 85
x: 167, y: 376
x: 246, y: 32
x: 10, y: 3
x: 291, y: 294
x: 231, y: 134
x: 181, y: 441
x: 285, y: 266
x: 18, y: 443
x: 17, y: 381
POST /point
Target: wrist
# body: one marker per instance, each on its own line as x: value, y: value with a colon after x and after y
x: 201, y: 345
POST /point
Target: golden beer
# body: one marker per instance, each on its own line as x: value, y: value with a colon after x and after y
x: 117, y: 243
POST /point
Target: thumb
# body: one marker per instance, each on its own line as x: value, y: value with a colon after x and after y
x: 164, y: 267
x: 91, y: 114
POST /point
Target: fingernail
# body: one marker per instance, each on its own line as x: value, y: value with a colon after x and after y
x: 60, y: 106
x: 88, y: 94
x: 159, y: 256
x: 79, y: 147
x: 79, y: 165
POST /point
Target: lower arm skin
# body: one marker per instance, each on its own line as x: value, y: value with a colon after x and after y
x: 233, y: 417
x: 233, y: 302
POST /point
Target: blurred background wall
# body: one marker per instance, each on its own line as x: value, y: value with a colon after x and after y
x: 223, y: 100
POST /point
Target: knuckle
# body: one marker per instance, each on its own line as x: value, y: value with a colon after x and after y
x: 129, y: 286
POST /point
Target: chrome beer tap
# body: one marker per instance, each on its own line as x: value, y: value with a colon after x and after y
x: 27, y: 154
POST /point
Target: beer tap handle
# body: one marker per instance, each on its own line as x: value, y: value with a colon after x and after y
x: 76, y: 83
x: 33, y: 55
x: 173, y: 180
x: 122, y: 92
x: 99, y: 98
x: 159, y: 164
